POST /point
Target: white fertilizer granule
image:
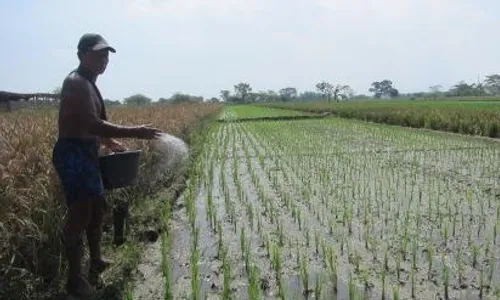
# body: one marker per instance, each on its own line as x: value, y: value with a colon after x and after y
x: 171, y: 154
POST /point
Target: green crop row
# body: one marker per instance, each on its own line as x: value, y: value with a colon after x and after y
x: 475, y: 118
x: 251, y: 111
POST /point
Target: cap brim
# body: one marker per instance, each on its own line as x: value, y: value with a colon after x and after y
x: 103, y: 46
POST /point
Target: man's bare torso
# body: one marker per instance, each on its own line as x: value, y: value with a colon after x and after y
x: 80, y: 107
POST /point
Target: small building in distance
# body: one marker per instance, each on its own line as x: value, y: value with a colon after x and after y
x: 13, y: 101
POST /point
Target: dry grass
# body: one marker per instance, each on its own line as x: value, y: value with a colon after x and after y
x: 31, y: 198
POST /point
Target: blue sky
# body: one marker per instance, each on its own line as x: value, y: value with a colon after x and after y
x: 201, y: 47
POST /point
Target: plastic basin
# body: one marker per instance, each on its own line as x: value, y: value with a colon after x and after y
x: 120, y: 169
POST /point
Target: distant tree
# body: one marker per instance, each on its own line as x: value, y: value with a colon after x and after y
x: 349, y: 91
x: 109, y: 102
x: 361, y: 97
x: 268, y: 96
x: 492, y: 84
x: 213, y: 100
x: 463, y: 89
x: 260, y: 96
x: 163, y: 100
x: 185, y: 98
x: 252, y: 97
x: 393, y: 93
x: 435, y: 90
x: 288, y: 93
x: 225, y: 94
x: 137, y: 99
x: 310, y: 96
x: 272, y: 96
x: 480, y: 89
x: 383, y: 88
x: 233, y: 99
x: 342, y: 91
x: 325, y: 88
x: 241, y: 90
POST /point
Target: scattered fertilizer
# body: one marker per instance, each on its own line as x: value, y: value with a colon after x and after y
x: 170, y: 155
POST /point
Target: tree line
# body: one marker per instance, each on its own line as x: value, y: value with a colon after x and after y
x: 383, y: 89
x: 177, y: 98
x: 324, y: 90
x: 490, y: 86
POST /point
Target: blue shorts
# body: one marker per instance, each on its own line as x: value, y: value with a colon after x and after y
x: 76, y: 161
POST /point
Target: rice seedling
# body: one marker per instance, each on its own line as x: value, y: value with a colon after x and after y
x: 220, y: 243
x: 481, y: 284
x: 307, y: 237
x: 195, y: 278
x: 254, y: 291
x: 460, y: 267
x: 395, y: 293
x: 491, y: 273
x: 386, y: 260
x: 166, y: 267
x: 226, y: 268
x: 318, y: 287
x: 414, y: 253
x: 276, y: 261
x: 383, y: 284
x: 304, y: 275
x: 475, y: 253
x: 316, y: 242
x: 446, y: 278
x: 332, y: 264
x: 398, y: 267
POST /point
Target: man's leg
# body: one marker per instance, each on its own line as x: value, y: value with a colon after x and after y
x: 94, y: 234
x: 79, y: 214
x: 94, y: 229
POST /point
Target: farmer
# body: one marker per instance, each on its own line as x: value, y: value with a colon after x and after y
x: 82, y: 130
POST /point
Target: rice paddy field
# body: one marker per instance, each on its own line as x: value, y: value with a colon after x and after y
x: 467, y: 117
x: 249, y: 112
x: 336, y: 209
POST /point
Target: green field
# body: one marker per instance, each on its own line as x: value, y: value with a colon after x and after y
x: 248, y: 112
x: 476, y: 104
x: 467, y: 117
x: 338, y: 209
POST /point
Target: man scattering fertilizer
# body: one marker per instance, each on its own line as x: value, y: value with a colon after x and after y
x: 83, y: 127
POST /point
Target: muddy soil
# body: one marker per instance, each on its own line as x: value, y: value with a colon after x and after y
x: 150, y: 284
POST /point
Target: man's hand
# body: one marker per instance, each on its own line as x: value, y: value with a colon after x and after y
x: 114, y: 146
x: 147, y: 132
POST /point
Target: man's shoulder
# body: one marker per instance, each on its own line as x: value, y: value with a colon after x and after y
x: 74, y: 81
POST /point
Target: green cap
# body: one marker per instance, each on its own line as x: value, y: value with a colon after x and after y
x: 93, y: 42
